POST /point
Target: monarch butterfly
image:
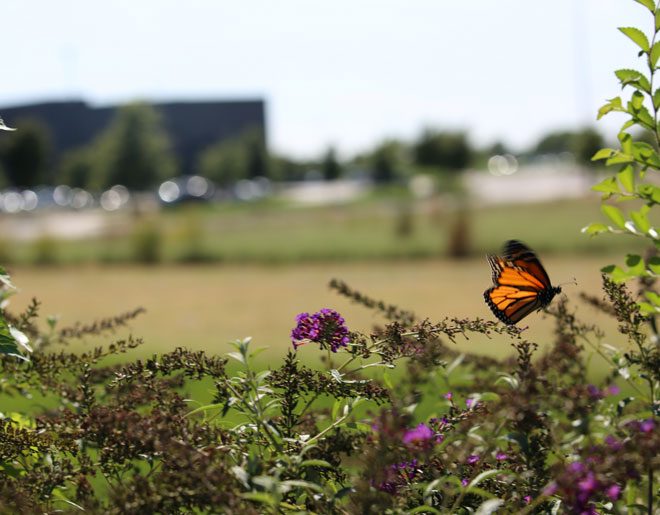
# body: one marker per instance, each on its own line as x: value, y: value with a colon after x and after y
x: 520, y: 284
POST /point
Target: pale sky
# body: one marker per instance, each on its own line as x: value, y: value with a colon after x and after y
x: 346, y: 73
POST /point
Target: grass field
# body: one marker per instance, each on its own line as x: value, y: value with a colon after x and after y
x: 203, y: 307
x: 378, y: 228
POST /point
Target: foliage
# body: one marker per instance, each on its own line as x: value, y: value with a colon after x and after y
x: 26, y: 154
x: 581, y: 143
x: 330, y: 167
x: 242, y: 157
x: 434, y: 431
x: 134, y: 150
x: 445, y: 150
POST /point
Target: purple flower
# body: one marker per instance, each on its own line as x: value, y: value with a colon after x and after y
x: 527, y: 498
x: 464, y: 482
x: 613, y: 492
x: 448, y: 396
x: 612, y: 390
x: 421, y: 433
x: 473, y: 458
x: 325, y: 327
x: 594, y: 391
x: 647, y: 426
x: 439, y: 438
x: 500, y: 456
x: 469, y: 402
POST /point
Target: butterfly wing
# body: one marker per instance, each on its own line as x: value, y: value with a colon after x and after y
x: 521, y: 284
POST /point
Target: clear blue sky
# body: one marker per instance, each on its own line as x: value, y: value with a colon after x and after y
x: 333, y: 72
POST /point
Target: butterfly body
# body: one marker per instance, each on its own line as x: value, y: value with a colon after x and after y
x: 520, y: 284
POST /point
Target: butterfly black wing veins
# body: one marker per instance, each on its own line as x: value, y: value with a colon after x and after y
x: 520, y: 284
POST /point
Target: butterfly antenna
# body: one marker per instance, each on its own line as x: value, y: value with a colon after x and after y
x: 574, y: 281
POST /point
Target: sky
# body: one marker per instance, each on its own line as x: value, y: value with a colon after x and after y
x: 341, y: 73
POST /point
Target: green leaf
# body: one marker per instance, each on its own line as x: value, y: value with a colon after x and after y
x: 657, y: 20
x: 649, y: 4
x: 649, y: 192
x: 636, y: 265
x: 653, y: 297
x: 627, y: 178
x: 595, y: 228
x: 646, y: 154
x: 626, y: 140
x: 637, y: 100
x: 424, y: 508
x: 603, y: 153
x: 655, y: 54
x: 641, y: 221
x: 257, y: 351
x: 641, y: 116
x: 615, y: 215
x: 637, y: 36
x: 616, y: 273
x: 316, y: 463
x: 633, y: 78
x: 608, y: 185
x: 654, y: 264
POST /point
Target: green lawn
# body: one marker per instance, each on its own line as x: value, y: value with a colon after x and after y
x: 378, y: 228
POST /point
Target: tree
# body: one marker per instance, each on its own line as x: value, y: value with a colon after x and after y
x: 447, y: 150
x: 135, y: 150
x: 230, y: 160
x: 330, y: 167
x: 388, y: 161
x: 26, y: 154
x: 583, y: 144
x: 76, y: 169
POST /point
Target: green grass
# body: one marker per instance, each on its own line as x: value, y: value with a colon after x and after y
x: 377, y: 228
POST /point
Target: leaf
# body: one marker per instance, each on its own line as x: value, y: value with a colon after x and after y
x: 646, y: 154
x: 654, y: 264
x: 653, y: 297
x: 609, y: 185
x: 302, y: 484
x: 637, y: 101
x: 634, y: 78
x: 603, y: 153
x: 237, y: 356
x: 655, y: 54
x: 627, y: 178
x: 649, y: 192
x: 636, y: 265
x: 649, y: 4
x: 637, y: 36
x: 657, y: 20
x: 615, y: 215
x: 316, y: 463
x: 641, y: 221
x: 489, y: 507
x: 595, y: 228
x: 484, y: 475
x: 424, y: 508
x: 257, y: 351
x: 616, y: 273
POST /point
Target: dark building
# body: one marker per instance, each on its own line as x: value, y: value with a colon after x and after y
x: 192, y: 126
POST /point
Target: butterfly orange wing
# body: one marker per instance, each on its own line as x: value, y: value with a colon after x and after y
x: 521, y: 284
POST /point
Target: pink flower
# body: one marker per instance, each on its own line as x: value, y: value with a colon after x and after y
x: 613, y: 492
x: 420, y: 434
x: 448, y: 396
x: 500, y: 456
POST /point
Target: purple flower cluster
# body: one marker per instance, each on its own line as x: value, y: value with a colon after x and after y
x: 325, y: 327
x: 581, y: 486
x: 401, y: 474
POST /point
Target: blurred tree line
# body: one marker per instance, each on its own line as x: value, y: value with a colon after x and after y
x: 135, y: 151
